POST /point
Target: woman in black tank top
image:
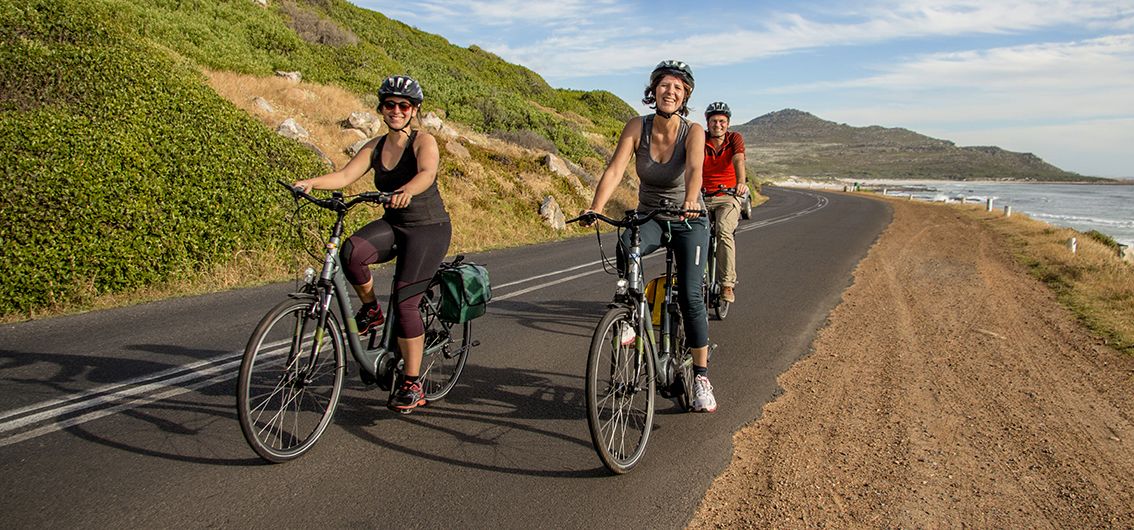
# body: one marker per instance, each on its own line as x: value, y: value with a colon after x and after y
x: 414, y: 229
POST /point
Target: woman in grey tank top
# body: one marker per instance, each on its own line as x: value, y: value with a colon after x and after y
x: 669, y: 152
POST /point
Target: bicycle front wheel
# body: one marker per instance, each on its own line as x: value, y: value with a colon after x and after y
x: 290, y: 380
x: 619, y: 393
x: 447, y: 348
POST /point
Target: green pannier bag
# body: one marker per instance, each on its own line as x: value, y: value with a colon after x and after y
x: 465, y: 292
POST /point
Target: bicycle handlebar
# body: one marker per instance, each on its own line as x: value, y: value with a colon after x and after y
x: 722, y: 190
x: 633, y: 217
x: 336, y: 202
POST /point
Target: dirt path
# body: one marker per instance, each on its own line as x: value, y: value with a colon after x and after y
x: 949, y: 389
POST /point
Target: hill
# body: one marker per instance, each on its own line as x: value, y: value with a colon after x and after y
x: 793, y: 142
x: 127, y: 170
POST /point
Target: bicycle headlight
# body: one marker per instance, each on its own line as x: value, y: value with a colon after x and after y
x: 309, y: 275
x: 621, y: 286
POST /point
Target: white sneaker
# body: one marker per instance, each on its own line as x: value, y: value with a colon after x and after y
x: 626, y: 336
x: 703, y: 400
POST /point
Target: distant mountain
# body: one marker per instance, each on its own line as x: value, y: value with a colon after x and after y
x: 793, y: 142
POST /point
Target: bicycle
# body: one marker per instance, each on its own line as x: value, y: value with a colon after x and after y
x: 292, y: 372
x: 622, y: 375
x: 712, y: 285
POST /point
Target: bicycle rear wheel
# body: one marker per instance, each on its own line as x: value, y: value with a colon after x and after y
x: 721, y: 309
x: 447, y: 348
x: 619, y: 393
x: 284, y: 399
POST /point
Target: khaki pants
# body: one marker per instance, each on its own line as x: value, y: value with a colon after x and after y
x: 726, y: 208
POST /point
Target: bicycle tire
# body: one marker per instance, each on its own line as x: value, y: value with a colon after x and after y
x: 447, y: 348
x: 721, y: 309
x: 281, y: 414
x: 619, y: 394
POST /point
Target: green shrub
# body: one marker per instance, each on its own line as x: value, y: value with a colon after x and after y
x: 1105, y: 239
x: 125, y: 169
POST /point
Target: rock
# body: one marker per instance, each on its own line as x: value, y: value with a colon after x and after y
x: 290, y: 129
x: 315, y: 149
x: 556, y: 165
x: 263, y: 104
x: 430, y: 120
x: 294, y: 77
x: 551, y: 213
x: 261, y: 3
x: 364, y: 122
x: 456, y: 149
x: 1127, y: 253
x: 356, y: 147
x: 435, y: 124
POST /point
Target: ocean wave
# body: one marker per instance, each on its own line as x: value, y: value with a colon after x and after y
x: 1118, y: 223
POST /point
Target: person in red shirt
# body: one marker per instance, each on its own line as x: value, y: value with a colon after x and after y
x: 724, y: 167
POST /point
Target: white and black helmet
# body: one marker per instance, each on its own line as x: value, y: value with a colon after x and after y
x: 718, y: 107
x: 678, y: 68
x: 401, y: 86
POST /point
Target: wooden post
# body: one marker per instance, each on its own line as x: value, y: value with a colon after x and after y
x: 1073, y: 245
x: 988, y: 205
x: 1007, y: 210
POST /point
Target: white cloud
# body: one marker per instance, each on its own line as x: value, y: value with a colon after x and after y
x: 603, y: 47
x: 1036, y: 84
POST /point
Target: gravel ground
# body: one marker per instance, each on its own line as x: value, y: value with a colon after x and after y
x: 948, y: 389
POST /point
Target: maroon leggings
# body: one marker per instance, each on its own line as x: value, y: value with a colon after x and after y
x: 419, y: 250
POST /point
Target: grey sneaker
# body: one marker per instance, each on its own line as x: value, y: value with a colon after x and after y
x: 703, y: 400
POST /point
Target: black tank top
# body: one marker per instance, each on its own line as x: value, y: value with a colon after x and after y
x: 426, y: 208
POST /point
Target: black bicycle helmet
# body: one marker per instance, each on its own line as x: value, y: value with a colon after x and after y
x: 718, y: 107
x: 401, y: 86
x: 677, y: 68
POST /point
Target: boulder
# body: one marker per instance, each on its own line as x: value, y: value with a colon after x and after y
x: 1126, y: 252
x: 364, y: 122
x: 315, y: 149
x: 261, y: 3
x: 263, y: 104
x: 551, y: 213
x: 294, y: 77
x: 290, y: 129
x: 437, y: 125
x: 456, y: 149
x: 556, y: 165
x: 356, y: 147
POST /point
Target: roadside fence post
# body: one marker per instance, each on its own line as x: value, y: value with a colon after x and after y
x: 1007, y: 210
x: 1073, y: 244
x: 988, y: 205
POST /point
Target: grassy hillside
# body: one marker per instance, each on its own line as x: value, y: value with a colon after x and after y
x: 792, y: 142
x: 126, y: 170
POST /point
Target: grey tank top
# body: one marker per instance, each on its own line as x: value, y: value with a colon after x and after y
x: 661, y: 181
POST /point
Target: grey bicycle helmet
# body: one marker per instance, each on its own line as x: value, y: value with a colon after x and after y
x: 401, y: 86
x: 671, y: 67
x: 718, y: 107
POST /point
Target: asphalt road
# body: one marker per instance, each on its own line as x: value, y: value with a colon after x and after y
x: 126, y: 417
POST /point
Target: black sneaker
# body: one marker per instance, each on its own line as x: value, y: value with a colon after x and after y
x: 408, y: 397
x: 368, y: 318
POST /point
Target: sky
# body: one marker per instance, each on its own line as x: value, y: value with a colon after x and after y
x: 1050, y: 77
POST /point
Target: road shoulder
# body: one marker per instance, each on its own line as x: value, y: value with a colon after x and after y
x: 949, y: 388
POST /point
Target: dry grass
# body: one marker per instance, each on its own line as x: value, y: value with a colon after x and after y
x: 318, y: 108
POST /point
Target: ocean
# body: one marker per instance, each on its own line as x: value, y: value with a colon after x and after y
x: 1084, y: 207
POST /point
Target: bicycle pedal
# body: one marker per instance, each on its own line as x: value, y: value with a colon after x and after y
x: 475, y: 343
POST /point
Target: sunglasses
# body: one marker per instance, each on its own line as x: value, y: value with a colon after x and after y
x: 391, y: 105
